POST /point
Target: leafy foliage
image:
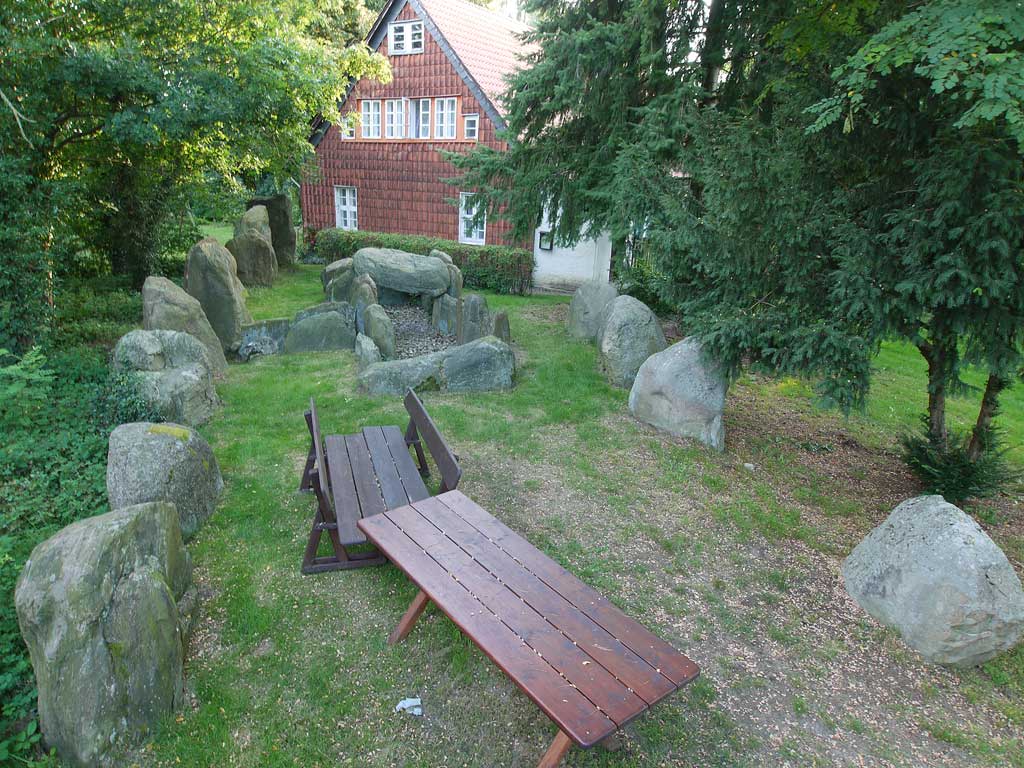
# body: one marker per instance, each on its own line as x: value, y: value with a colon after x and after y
x: 499, y: 268
x: 707, y: 130
x: 56, y: 415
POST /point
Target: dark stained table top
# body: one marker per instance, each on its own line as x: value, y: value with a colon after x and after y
x: 586, y: 664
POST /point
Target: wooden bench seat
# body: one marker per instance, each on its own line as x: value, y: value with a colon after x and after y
x: 360, y: 475
x: 587, y: 665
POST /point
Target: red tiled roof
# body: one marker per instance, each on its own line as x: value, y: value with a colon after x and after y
x: 487, y: 42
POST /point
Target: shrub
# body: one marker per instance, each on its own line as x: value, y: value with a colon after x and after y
x: 498, y: 268
x: 96, y: 311
x: 946, y: 468
x: 56, y: 415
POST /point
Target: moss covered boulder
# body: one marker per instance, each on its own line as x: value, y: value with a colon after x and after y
x: 164, y: 462
x: 104, y: 606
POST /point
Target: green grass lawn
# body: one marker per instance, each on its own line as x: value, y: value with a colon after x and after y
x: 737, y: 567
x: 220, y: 230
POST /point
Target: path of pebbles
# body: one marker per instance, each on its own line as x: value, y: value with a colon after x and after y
x: 414, y: 335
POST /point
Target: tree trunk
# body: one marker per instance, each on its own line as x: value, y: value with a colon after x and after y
x: 712, y: 57
x: 989, y: 406
x: 937, y: 358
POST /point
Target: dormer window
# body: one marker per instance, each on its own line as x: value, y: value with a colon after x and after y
x: 405, y: 37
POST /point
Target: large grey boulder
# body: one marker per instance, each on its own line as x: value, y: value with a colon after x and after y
x: 265, y: 337
x: 630, y: 335
x: 482, y: 365
x: 455, y: 281
x: 339, y: 288
x: 587, y: 307
x: 167, y: 307
x: 680, y: 391
x: 474, y: 319
x: 378, y: 326
x: 211, y: 277
x: 282, y: 233
x: 321, y: 332
x: 341, y: 307
x: 333, y: 270
x: 444, y: 315
x: 436, y: 253
x: 933, y: 575
x: 163, y: 462
x: 174, y: 373
x: 366, y: 352
x: 407, y: 273
x: 252, y: 248
x: 104, y: 606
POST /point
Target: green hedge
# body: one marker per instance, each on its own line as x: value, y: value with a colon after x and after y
x: 498, y: 268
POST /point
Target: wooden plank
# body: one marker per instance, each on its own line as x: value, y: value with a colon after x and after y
x: 321, y: 467
x: 601, y: 646
x: 415, y: 488
x: 370, y: 500
x: 343, y: 489
x: 571, y: 711
x: 429, y: 434
x: 609, y: 694
x: 384, y: 466
x: 645, y: 644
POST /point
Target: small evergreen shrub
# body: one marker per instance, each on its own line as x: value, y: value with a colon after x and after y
x: 947, y: 469
x: 498, y: 268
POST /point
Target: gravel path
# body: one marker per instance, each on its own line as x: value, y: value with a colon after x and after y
x: 414, y: 335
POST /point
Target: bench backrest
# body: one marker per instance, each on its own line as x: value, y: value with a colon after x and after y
x: 446, y: 462
x: 324, y: 492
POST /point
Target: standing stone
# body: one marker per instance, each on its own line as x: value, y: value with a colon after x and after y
x: 210, y: 277
x: 444, y: 315
x: 282, y: 233
x: 630, y: 335
x: 321, y: 332
x: 167, y: 307
x: 380, y: 328
x: 455, y: 278
x: 587, y: 306
x: 251, y: 246
x: 474, y: 321
x: 681, y: 392
x: 934, y: 576
x: 438, y: 254
x: 104, y: 606
x: 366, y: 352
x: 164, y: 462
x: 502, y: 330
x: 341, y: 307
x: 340, y: 286
x: 265, y: 337
x: 401, y: 271
x: 482, y: 365
x: 362, y: 294
x: 174, y: 373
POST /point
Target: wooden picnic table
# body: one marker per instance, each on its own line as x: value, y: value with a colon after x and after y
x: 587, y: 665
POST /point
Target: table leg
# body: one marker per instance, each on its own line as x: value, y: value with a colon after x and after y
x: 556, y: 751
x: 412, y: 613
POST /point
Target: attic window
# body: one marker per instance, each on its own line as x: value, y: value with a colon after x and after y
x: 405, y: 37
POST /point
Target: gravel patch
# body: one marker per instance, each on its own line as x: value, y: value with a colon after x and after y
x: 414, y: 335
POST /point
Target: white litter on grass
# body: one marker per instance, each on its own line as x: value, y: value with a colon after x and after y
x: 412, y: 706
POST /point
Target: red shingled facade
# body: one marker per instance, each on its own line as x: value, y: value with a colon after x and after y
x: 399, y: 181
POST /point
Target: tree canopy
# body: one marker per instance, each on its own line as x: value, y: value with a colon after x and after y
x: 111, y: 107
x: 809, y: 178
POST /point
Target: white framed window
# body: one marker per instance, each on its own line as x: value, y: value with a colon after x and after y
x: 405, y: 37
x: 348, y: 127
x: 444, y: 122
x: 394, y: 119
x: 419, y: 119
x: 471, y: 127
x: 371, y: 119
x: 345, y: 208
x: 474, y: 234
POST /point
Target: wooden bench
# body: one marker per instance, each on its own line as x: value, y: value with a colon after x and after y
x: 357, y: 476
x: 589, y: 667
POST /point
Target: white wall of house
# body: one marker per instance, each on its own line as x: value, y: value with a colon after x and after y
x: 563, y: 269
